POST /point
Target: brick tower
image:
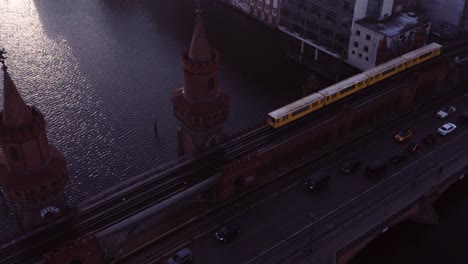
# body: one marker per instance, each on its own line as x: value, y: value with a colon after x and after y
x: 200, y: 106
x: 32, y: 172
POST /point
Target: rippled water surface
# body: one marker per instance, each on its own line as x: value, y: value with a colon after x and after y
x: 99, y: 71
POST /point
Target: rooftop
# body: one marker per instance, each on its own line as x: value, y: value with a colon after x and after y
x: 393, y: 25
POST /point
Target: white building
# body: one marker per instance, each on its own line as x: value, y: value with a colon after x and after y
x: 375, y: 40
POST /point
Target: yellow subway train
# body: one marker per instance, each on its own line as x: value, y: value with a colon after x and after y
x: 337, y: 91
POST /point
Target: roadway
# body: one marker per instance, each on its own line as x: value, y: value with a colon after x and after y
x: 154, y: 189
x: 269, y: 225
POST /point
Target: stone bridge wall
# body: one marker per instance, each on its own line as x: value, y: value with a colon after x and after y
x: 422, y: 85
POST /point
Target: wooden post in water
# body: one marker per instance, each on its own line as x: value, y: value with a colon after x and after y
x: 155, y: 125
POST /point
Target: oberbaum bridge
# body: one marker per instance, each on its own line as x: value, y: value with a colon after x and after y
x: 228, y: 173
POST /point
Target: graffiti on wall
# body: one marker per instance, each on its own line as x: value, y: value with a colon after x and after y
x: 408, y: 40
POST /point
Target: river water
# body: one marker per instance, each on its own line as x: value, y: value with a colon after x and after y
x: 100, y: 70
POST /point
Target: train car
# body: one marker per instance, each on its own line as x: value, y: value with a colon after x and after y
x: 295, y: 110
x: 422, y: 54
x: 351, y: 85
x: 385, y: 70
x: 344, y: 88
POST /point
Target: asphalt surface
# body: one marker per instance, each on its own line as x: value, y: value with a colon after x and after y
x: 286, y: 213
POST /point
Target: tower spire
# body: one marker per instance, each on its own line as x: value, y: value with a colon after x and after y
x: 32, y: 172
x: 200, y: 106
x: 15, y: 111
x: 199, y: 48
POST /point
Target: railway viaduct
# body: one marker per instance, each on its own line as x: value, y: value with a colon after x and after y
x: 334, y: 127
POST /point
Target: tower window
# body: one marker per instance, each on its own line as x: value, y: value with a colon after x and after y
x: 14, y: 153
x: 210, y: 84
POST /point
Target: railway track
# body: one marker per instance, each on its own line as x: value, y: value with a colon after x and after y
x: 119, y: 207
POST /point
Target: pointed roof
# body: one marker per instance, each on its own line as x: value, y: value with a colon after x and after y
x: 199, y: 48
x: 15, y: 111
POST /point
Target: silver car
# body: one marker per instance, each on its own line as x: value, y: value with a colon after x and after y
x: 183, y: 256
x: 446, y: 129
x: 446, y: 111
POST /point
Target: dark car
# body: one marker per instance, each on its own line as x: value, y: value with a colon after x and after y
x: 183, y: 256
x: 349, y: 167
x: 227, y: 232
x: 463, y: 118
x: 376, y: 168
x: 429, y: 139
x: 413, y: 147
x: 398, y: 158
x: 316, y: 182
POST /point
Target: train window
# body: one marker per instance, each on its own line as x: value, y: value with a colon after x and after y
x: 425, y: 55
x: 285, y: 117
x: 300, y: 110
x: 347, y: 89
x: 388, y: 71
x: 414, y: 60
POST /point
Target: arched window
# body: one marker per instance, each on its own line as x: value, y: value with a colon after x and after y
x: 210, y: 84
x: 14, y: 153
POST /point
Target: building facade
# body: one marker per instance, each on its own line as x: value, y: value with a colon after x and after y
x: 376, y: 40
x: 267, y: 11
x: 327, y: 24
x: 200, y: 106
x: 449, y: 17
x: 33, y: 172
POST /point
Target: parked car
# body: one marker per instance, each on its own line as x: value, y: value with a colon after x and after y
x: 413, y: 147
x: 183, y: 256
x: 398, y: 158
x: 446, y: 129
x: 316, y: 182
x: 429, y: 139
x: 376, y: 168
x: 227, y: 232
x: 405, y: 134
x: 349, y: 167
x: 446, y: 111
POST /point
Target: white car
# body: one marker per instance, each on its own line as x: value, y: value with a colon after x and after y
x: 446, y: 129
x: 446, y: 111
